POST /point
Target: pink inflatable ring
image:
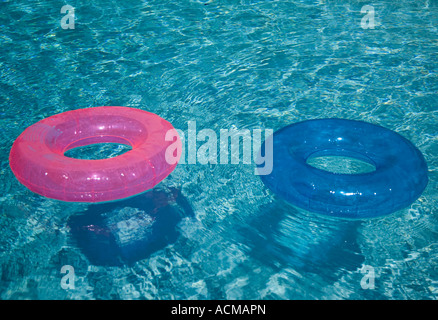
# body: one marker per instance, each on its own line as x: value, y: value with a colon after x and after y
x: 37, y: 155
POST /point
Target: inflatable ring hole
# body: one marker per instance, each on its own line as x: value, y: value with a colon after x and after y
x: 339, y: 164
x: 98, y: 151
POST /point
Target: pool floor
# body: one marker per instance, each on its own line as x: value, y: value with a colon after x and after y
x: 213, y: 230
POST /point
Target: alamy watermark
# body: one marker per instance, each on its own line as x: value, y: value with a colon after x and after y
x: 368, y: 21
x: 367, y: 281
x: 68, y: 281
x: 68, y: 21
x: 233, y: 147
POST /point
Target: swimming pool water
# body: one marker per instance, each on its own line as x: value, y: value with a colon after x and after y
x: 224, y: 64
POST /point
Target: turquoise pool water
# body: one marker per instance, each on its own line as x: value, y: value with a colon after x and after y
x: 222, y: 64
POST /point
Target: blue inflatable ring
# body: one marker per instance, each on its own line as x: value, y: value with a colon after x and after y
x: 399, y: 179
